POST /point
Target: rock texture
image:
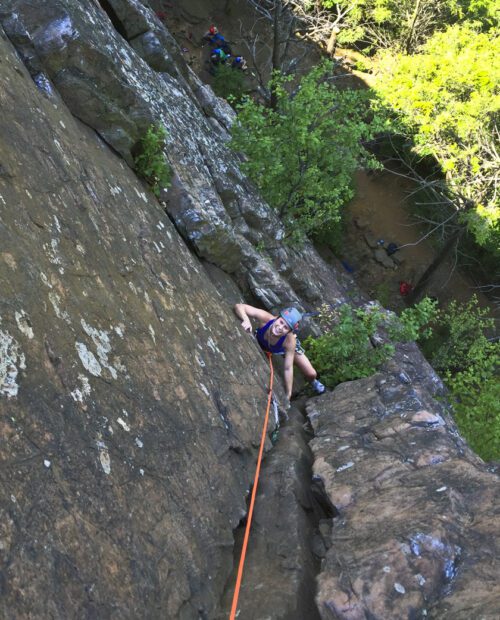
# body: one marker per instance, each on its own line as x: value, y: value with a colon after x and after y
x: 280, y: 567
x: 98, y: 62
x: 417, y: 533
x: 130, y: 402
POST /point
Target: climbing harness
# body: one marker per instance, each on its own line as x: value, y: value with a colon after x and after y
x: 239, y: 576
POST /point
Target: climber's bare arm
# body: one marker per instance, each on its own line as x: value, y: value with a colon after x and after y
x: 289, y: 346
x: 246, y: 312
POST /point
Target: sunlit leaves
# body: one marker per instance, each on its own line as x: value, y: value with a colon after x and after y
x: 303, y: 154
x: 446, y: 98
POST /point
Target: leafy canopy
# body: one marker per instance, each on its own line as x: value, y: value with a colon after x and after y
x: 460, y: 333
x: 302, y: 155
x: 446, y: 99
x: 470, y: 363
x: 345, y: 350
x: 229, y: 83
x: 400, y: 24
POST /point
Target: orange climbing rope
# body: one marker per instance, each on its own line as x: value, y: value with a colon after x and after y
x: 254, y: 493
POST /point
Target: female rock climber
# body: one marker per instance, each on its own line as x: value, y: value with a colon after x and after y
x: 275, y: 334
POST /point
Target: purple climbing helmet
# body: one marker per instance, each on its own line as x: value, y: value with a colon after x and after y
x: 292, y: 317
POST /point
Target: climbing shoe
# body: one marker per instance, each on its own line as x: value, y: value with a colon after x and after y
x: 317, y: 386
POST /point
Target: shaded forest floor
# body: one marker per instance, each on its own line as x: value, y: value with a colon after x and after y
x: 381, y: 206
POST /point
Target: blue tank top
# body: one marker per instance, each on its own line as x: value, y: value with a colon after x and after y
x: 264, y: 344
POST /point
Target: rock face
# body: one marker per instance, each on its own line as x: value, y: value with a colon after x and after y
x: 280, y: 567
x: 130, y: 401
x: 417, y: 531
x: 97, y: 61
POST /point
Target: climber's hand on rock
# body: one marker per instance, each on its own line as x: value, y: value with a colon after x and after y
x: 247, y: 326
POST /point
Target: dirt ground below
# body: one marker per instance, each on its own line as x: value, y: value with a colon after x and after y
x: 379, y: 211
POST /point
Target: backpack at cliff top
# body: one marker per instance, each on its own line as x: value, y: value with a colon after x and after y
x: 220, y: 54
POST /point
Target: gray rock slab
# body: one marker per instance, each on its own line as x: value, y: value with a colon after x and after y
x: 130, y: 399
x: 361, y: 223
x: 371, y: 240
x: 381, y: 257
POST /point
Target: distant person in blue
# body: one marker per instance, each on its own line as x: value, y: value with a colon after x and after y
x: 218, y: 56
x: 239, y: 63
x: 275, y: 334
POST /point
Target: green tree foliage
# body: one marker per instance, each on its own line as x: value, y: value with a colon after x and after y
x: 414, y: 323
x: 302, y: 154
x: 399, y: 24
x: 459, y: 334
x: 229, y: 83
x: 150, y: 162
x: 477, y: 412
x: 345, y: 351
x: 470, y: 364
x: 485, y: 13
x: 446, y: 99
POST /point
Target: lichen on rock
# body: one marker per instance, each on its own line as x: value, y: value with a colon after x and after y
x: 12, y: 360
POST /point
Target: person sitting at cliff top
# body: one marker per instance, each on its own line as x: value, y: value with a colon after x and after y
x: 216, y: 39
x: 275, y: 334
x: 219, y: 56
x: 239, y: 63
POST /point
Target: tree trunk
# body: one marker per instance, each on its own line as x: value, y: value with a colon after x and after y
x: 411, y: 30
x: 332, y: 40
x: 424, y: 282
x: 276, y: 61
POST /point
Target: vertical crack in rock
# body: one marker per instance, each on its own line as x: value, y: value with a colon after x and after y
x: 117, y: 23
x: 285, y: 544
